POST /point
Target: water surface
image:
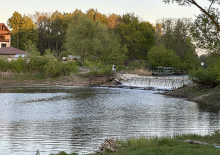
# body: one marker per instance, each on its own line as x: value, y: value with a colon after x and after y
x: 73, y: 119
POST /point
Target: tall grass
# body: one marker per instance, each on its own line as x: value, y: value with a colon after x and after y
x: 168, y: 145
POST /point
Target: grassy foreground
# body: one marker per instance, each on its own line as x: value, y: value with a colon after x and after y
x: 166, y: 146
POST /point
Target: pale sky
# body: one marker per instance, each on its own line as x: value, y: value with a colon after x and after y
x: 147, y: 10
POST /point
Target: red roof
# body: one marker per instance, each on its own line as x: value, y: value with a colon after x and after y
x: 2, y: 24
x: 11, y: 51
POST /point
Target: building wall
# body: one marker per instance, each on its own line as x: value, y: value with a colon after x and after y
x: 8, y: 43
x: 8, y: 56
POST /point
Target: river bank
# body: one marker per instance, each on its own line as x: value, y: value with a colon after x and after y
x: 74, y: 80
x: 190, y: 144
x: 204, y: 95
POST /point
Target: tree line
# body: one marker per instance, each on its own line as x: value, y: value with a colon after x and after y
x: 103, y: 40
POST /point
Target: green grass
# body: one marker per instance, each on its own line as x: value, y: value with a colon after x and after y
x: 167, y: 146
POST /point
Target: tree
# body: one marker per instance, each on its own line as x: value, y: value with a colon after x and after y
x: 160, y: 56
x: 23, y: 29
x: 175, y: 33
x: 92, y: 41
x: 15, y: 23
x: 158, y: 34
x: 138, y: 36
x: 111, y: 21
x: 206, y: 12
x: 205, y: 32
x: 42, y: 20
x: 95, y: 15
x: 58, y: 30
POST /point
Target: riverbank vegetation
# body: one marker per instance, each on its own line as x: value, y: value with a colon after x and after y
x: 166, y: 145
x: 99, y: 41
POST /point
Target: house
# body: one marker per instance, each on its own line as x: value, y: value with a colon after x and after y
x: 5, y: 37
x: 11, y: 52
x: 5, y: 44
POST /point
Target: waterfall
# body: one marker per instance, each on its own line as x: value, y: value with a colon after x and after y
x: 154, y: 82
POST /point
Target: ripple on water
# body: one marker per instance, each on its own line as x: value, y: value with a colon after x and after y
x: 54, y: 119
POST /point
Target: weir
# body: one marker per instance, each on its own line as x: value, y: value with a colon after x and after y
x: 165, y: 82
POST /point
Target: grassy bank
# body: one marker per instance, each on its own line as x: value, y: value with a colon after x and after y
x: 166, y: 146
x: 205, y: 95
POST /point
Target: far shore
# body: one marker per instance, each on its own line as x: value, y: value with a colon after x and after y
x: 204, y: 95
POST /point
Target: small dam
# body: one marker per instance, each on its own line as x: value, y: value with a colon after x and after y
x: 156, y: 82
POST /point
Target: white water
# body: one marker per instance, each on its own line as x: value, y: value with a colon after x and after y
x: 169, y: 82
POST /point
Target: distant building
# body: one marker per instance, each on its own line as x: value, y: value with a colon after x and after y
x: 5, y: 37
x: 5, y: 44
x: 10, y: 52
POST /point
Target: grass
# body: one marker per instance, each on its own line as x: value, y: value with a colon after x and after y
x: 167, y: 146
x: 205, y: 95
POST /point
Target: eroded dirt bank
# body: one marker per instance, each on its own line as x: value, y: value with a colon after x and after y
x: 205, y: 95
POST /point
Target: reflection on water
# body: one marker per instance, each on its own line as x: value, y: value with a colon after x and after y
x: 54, y: 119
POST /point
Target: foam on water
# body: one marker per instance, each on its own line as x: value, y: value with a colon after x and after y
x: 154, y: 82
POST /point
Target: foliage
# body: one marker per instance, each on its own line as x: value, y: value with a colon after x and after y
x: 167, y: 145
x: 203, y: 59
x: 93, y: 42
x: 64, y: 153
x: 160, y: 56
x: 38, y: 66
x: 176, y: 34
x: 4, y: 64
x: 138, y: 36
x: 136, y: 65
x: 203, y: 76
x: 19, y: 65
x: 206, y: 12
x: 206, y: 27
x: 205, y: 32
x: 23, y: 29
x: 210, y: 75
x: 52, y: 30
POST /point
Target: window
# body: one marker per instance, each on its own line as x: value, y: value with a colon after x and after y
x: 3, y: 45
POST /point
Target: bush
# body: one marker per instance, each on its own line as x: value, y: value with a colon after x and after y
x: 203, y: 76
x: 69, y: 67
x: 135, y: 65
x: 5, y: 65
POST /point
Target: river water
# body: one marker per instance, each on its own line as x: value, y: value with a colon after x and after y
x: 72, y: 119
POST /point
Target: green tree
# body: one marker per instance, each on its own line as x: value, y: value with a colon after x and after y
x: 205, y: 11
x: 42, y: 20
x: 160, y: 56
x: 138, y: 36
x: 92, y: 41
x: 23, y: 29
x: 58, y: 31
x: 204, y: 31
x: 15, y: 23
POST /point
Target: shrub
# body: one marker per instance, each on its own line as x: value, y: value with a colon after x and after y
x: 203, y: 76
x: 135, y: 65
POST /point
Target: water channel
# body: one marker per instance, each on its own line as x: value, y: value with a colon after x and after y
x: 73, y: 119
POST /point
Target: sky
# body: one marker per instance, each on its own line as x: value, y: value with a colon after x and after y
x: 146, y: 10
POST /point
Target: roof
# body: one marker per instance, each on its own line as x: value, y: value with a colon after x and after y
x: 11, y: 51
x: 3, y: 25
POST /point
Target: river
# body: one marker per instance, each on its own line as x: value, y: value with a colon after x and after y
x: 73, y: 119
